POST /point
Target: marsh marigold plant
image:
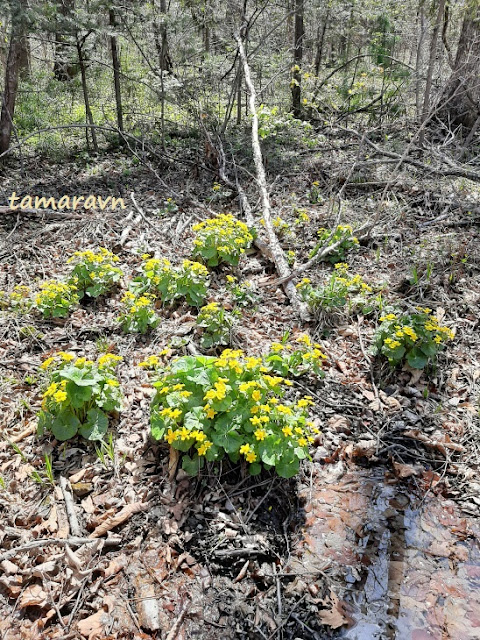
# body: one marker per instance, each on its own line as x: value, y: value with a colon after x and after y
x: 414, y: 337
x: 221, y: 239
x: 94, y: 274
x: 233, y: 405
x: 80, y: 394
x: 190, y: 280
x: 56, y: 299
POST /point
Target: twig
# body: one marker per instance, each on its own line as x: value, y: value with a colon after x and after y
x: 172, y: 634
x: 61, y: 542
x: 75, y: 529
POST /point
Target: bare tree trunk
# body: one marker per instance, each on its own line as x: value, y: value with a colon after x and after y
x: 239, y: 95
x: 320, y: 41
x: 419, y: 59
x: 12, y: 71
x: 296, y: 82
x: 116, y: 74
x: 462, y: 92
x: 162, y: 40
x: 431, y: 66
x: 88, y: 111
x: 63, y: 69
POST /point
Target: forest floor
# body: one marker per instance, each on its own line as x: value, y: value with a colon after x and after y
x: 379, y: 535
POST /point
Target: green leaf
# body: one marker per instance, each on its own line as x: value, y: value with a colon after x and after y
x: 429, y: 348
x: 416, y: 359
x: 254, y: 469
x: 267, y: 454
x: 96, y: 425
x: 80, y: 377
x: 65, y: 426
x: 229, y: 441
x: 78, y: 396
x: 157, y: 426
x: 287, y: 468
x: 300, y: 453
x: 192, y: 465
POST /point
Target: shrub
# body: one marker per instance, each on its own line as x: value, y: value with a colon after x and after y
x: 56, y: 299
x: 94, y: 273
x: 326, y: 236
x: 139, y: 314
x: 216, y: 323
x: 414, y: 337
x: 80, y: 395
x: 230, y: 405
x: 221, y: 239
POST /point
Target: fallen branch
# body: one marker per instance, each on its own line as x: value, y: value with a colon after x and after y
x: 70, y: 507
x: 60, y: 542
x: 278, y: 256
x: 56, y: 215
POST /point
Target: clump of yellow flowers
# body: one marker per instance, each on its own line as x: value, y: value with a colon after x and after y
x: 414, y: 337
x: 79, y: 396
x: 94, y: 273
x: 139, y: 313
x: 230, y: 405
x: 17, y: 300
x: 221, y: 239
x: 343, y: 234
x: 158, y: 276
x: 341, y: 291
x: 56, y: 299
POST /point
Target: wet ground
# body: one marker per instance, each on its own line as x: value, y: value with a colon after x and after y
x: 404, y: 566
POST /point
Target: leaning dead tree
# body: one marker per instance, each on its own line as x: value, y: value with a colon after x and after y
x: 274, y: 250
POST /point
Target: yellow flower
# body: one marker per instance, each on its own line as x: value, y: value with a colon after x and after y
x: 245, y: 448
x: 202, y: 450
x: 287, y: 431
x: 51, y: 390
x: 250, y: 457
x: 66, y: 357
x: 111, y: 382
x: 46, y: 363
x: 284, y: 409
x: 256, y: 421
x: 437, y: 339
x: 60, y: 396
x: 302, y: 442
x: 171, y: 436
x: 260, y: 434
x: 304, y: 402
x: 256, y: 395
x: 209, y: 411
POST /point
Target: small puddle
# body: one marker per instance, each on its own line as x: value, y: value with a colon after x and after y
x: 408, y: 570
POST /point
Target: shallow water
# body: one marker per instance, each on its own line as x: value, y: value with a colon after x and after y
x: 405, y: 568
